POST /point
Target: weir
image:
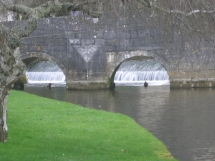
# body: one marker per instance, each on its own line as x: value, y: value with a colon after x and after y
x: 45, y: 72
x: 136, y: 72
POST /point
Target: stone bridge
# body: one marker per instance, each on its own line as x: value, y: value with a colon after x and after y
x: 90, y: 50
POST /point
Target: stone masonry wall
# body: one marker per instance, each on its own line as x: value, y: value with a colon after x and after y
x: 82, y: 45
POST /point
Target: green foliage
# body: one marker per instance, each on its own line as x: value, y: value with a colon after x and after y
x: 42, y: 129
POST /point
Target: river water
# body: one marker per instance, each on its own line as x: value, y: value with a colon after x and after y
x: 182, y: 119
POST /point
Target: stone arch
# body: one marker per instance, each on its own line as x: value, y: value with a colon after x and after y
x: 115, y: 59
x: 31, y: 57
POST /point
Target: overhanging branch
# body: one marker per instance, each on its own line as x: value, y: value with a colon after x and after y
x: 187, y: 14
x: 192, y: 12
x: 16, y: 8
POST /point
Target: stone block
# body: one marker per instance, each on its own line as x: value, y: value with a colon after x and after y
x: 154, y: 32
x: 124, y: 43
x: 23, y: 47
x: 34, y: 48
x: 99, y: 41
x: 87, y: 42
x: 123, y: 34
x: 111, y: 42
x: 83, y: 35
x: 39, y: 41
x: 59, y: 32
x: 157, y: 39
x: 110, y: 48
x: 99, y: 34
x: 210, y: 65
x: 26, y: 41
x: 110, y: 34
x: 144, y: 33
x: 192, y: 84
x: 75, y: 41
x: 59, y: 41
x: 87, y: 85
x: 60, y: 48
x: 135, y: 42
x: 134, y: 34
x: 146, y: 41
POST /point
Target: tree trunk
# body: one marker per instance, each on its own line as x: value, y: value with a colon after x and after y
x: 11, y: 70
x: 6, y: 85
x: 3, y: 114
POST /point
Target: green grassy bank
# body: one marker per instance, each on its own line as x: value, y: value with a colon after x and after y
x: 42, y: 129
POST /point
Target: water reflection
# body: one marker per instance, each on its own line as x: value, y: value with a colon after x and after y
x: 182, y: 119
x: 191, y: 113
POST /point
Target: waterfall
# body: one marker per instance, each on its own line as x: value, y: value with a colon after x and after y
x: 45, y: 72
x: 136, y: 72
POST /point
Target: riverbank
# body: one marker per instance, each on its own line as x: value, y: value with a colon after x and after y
x: 45, y: 129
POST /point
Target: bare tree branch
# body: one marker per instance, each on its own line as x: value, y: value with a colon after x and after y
x: 17, y: 8
x: 146, y: 3
x: 175, y: 11
x: 191, y: 12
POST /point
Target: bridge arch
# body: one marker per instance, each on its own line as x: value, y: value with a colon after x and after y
x: 117, y: 58
x: 33, y: 57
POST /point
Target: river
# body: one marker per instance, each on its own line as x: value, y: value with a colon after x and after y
x: 182, y: 119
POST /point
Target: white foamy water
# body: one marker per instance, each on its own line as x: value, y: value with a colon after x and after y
x: 45, y: 77
x: 45, y: 72
x: 135, y: 73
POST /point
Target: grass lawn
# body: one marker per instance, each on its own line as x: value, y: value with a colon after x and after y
x: 42, y: 129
